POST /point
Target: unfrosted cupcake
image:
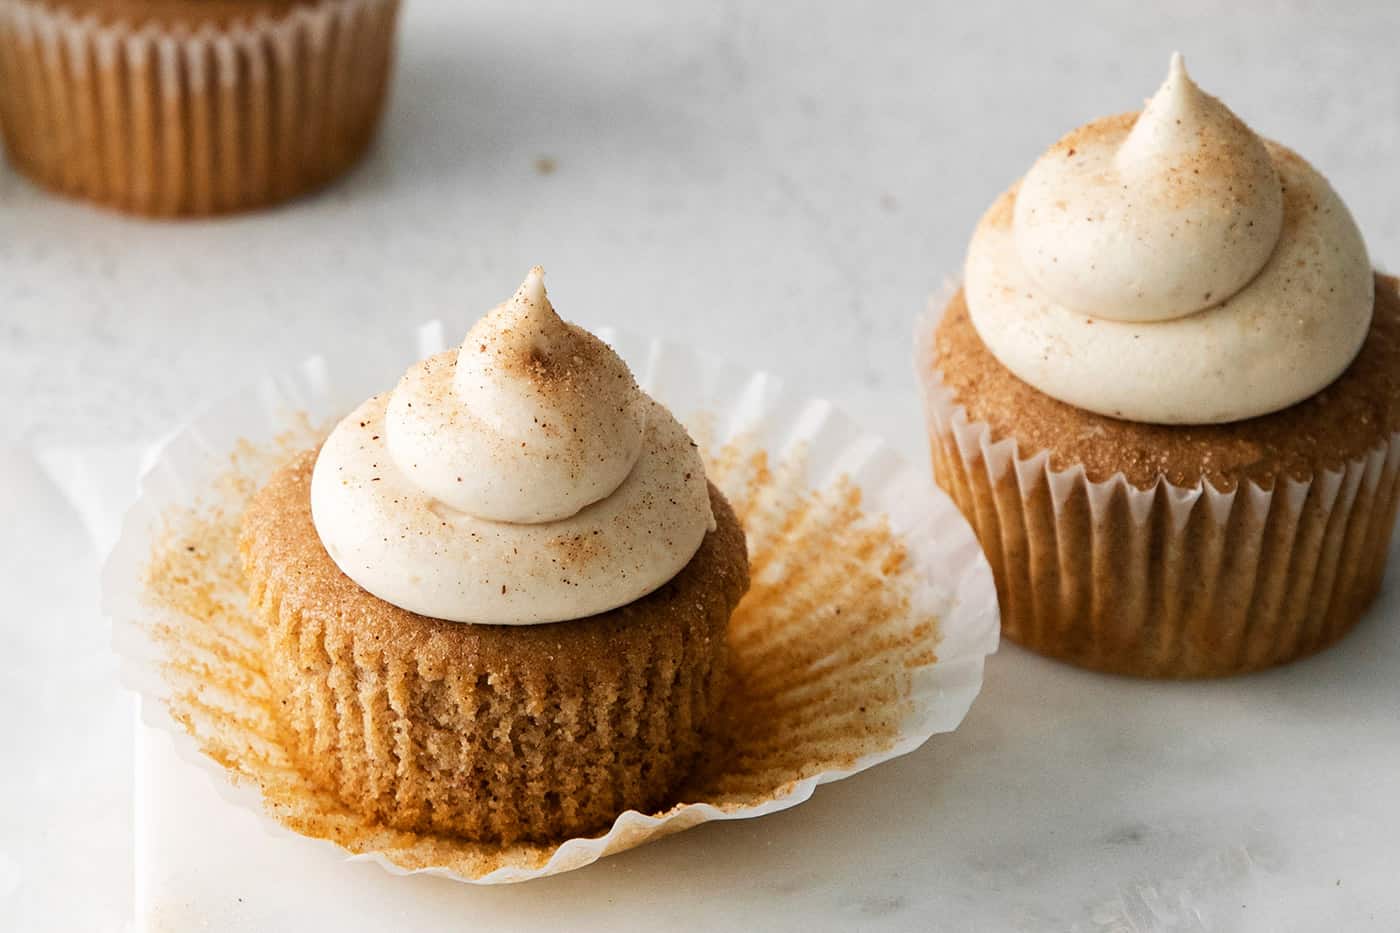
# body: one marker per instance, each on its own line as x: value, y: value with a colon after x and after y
x: 497, y: 598
x: 1167, y: 397
x: 191, y: 107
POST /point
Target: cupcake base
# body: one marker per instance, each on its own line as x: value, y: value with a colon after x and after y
x: 192, y: 111
x: 1162, y: 551
x: 492, y: 733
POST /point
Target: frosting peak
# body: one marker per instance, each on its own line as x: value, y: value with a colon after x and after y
x: 1172, y: 267
x: 1171, y: 218
x: 532, y: 421
x: 522, y: 478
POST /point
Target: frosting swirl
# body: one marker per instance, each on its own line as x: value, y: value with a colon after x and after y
x: 523, y: 478
x: 1171, y: 267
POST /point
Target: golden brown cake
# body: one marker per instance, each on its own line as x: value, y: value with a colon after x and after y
x: 1167, y: 398
x: 491, y: 732
x: 496, y: 598
x: 191, y: 107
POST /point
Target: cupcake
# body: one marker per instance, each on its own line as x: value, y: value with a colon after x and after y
x: 496, y: 598
x: 1167, y: 398
x: 191, y: 107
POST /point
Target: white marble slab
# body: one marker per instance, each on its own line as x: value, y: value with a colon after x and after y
x: 784, y: 182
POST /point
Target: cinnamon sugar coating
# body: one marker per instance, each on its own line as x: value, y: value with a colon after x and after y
x: 1351, y: 417
x: 493, y: 733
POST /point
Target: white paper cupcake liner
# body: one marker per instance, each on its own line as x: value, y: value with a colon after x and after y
x: 902, y: 663
x: 1170, y: 581
x: 192, y: 120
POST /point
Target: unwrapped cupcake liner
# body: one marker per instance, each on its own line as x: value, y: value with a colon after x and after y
x: 1169, y: 581
x: 166, y: 120
x: 864, y: 632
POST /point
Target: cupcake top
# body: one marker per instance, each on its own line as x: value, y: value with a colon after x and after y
x: 138, y: 13
x: 1171, y: 267
x: 522, y: 478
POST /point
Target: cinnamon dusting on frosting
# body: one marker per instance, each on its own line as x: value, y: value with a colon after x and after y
x: 523, y: 478
x: 1171, y: 267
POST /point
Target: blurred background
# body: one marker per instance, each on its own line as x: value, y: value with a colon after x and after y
x: 781, y: 183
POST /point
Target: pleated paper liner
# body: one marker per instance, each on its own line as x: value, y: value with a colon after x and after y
x: 195, y: 119
x: 1171, y: 581
x: 864, y: 632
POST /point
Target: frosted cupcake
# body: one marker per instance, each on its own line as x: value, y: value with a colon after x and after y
x: 496, y: 599
x: 191, y: 107
x: 1167, y: 398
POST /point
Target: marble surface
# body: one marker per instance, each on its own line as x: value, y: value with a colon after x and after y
x: 784, y: 185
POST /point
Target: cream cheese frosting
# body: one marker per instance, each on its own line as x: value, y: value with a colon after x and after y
x: 523, y: 478
x: 1171, y: 267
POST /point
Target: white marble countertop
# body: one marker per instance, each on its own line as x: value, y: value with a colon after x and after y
x: 783, y: 185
